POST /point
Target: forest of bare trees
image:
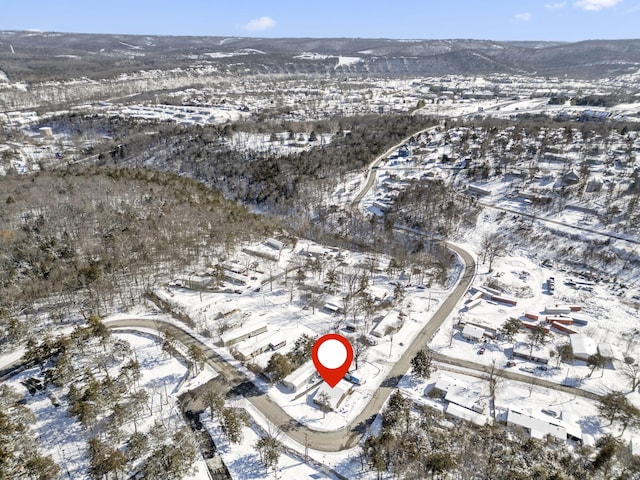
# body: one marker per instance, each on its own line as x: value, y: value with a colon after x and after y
x: 97, y: 239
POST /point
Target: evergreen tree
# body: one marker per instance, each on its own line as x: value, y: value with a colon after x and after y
x: 421, y: 364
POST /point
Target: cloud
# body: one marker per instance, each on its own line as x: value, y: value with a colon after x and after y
x: 555, y: 6
x: 260, y: 24
x: 595, y: 5
x: 523, y: 17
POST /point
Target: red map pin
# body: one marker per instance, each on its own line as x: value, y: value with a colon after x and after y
x: 332, y: 355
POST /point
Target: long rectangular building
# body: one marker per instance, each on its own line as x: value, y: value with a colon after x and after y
x: 300, y: 377
x: 248, y: 330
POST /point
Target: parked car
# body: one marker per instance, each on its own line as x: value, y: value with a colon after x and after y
x: 481, y: 351
x: 511, y: 363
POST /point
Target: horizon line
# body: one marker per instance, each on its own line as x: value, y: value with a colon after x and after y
x: 250, y: 37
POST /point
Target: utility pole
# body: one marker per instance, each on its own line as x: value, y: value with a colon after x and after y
x: 306, y: 448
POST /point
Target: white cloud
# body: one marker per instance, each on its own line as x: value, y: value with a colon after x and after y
x: 523, y: 17
x: 260, y: 24
x: 595, y: 5
x: 555, y: 6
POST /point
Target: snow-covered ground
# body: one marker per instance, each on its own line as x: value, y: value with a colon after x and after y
x: 509, y: 395
x: 243, y: 460
x: 62, y: 436
x: 285, y: 312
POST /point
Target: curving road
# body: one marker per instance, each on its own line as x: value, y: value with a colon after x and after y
x: 348, y: 436
x: 232, y: 380
x: 371, y: 169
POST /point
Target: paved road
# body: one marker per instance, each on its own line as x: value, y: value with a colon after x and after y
x: 235, y: 381
x: 349, y: 435
x: 479, y: 370
x: 346, y: 437
x: 372, y: 169
x: 626, y: 238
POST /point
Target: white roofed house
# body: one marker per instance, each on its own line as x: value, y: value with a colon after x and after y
x: 538, y: 354
x: 235, y: 278
x: 461, y: 401
x: 299, y: 378
x: 332, y: 396
x: 316, y: 251
x: 536, y: 426
x: 248, y: 330
x: 454, y: 410
x: 443, y: 384
x: 390, y: 323
x: 466, y: 398
x: 583, y: 346
x: 606, y: 350
x: 472, y: 333
x: 247, y: 349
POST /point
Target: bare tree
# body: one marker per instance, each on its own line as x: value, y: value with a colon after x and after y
x: 197, y: 356
x: 322, y: 400
x: 596, y: 361
x: 537, y: 336
x: 492, y: 245
x: 269, y: 448
x: 565, y: 353
x: 631, y: 371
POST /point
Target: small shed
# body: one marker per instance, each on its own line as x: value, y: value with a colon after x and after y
x: 472, y: 333
x: 473, y: 304
x: 557, y: 309
x: 606, y: 350
x: 332, y: 308
x: 571, y: 178
x: 273, y: 243
x: 46, y: 132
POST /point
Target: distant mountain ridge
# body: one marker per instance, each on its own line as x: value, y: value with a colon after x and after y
x: 33, y: 56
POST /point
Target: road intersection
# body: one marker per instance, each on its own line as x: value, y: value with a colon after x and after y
x: 235, y: 381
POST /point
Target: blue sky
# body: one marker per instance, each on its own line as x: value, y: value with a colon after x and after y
x: 566, y: 20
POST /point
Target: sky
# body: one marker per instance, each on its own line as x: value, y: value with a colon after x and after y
x: 561, y: 20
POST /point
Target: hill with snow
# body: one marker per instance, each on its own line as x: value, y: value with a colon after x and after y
x: 26, y: 56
